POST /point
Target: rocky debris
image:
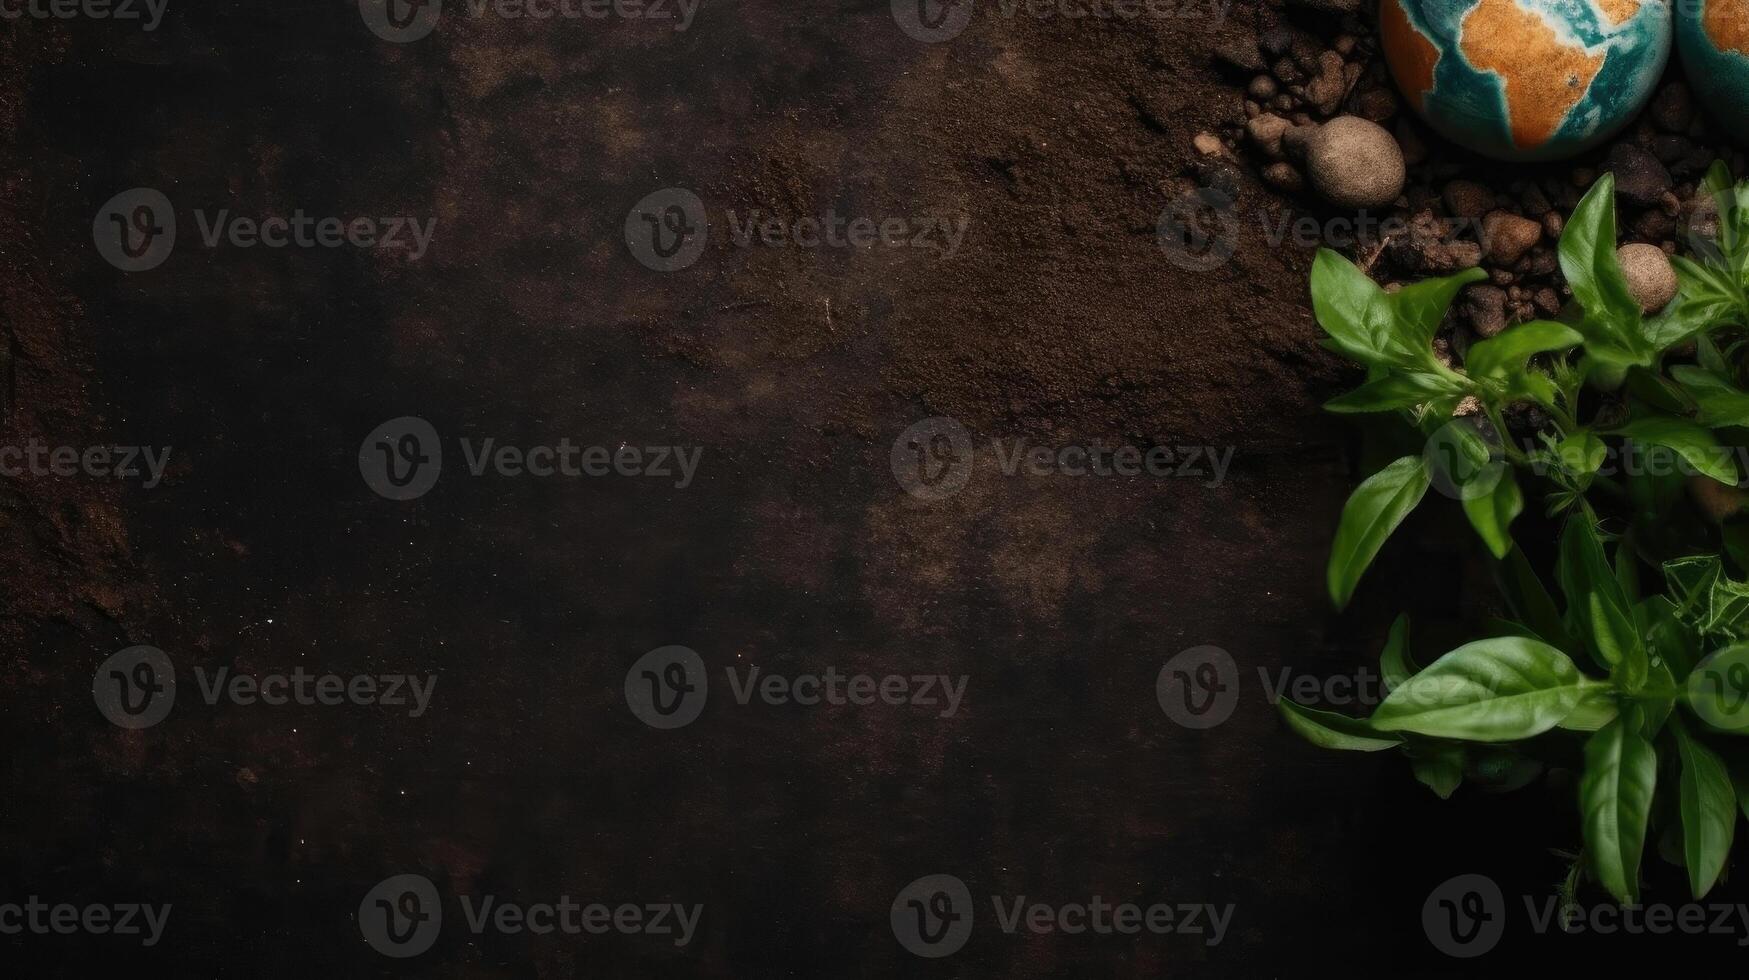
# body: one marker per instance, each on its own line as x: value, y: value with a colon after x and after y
x: 1354, y: 163
x: 1485, y: 307
x: 1266, y: 132
x: 1507, y: 236
x: 1283, y: 176
x: 1639, y: 178
x: 1209, y: 145
x: 1651, y: 277
x: 1304, y: 79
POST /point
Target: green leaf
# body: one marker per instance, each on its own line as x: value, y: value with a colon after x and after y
x: 1582, y: 452
x: 1439, y: 766
x: 1694, y: 443
x: 1512, y: 348
x: 1587, y: 251
x: 1615, y: 801
x: 1597, y: 708
x: 1596, y: 595
x: 1395, y: 663
x: 1375, y: 510
x: 1421, y: 306
x: 1492, y: 514
x: 1401, y: 389
x: 1529, y: 599
x: 1356, y: 313
x: 1709, y: 812
x: 1329, y: 730
x: 1721, y: 403
x: 1492, y: 690
x: 1707, y: 601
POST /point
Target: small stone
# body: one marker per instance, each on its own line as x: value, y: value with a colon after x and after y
x: 1650, y: 276
x: 1240, y: 53
x: 1289, y: 73
x: 1507, y: 236
x: 1354, y: 163
x: 1548, y: 302
x: 1485, y: 307
x: 1554, y: 224
x: 1209, y: 145
x: 1377, y: 104
x: 1639, y: 178
x: 1654, y: 226
x: 1282, y: 175
x: 1263, y: 88
x: 1266, y: 132
x: 1325, y: 91
x: 1467, y: 199
x: 1344, y: 44
x: 1673, y: 108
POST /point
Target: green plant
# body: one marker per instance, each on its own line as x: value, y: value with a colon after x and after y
x: 1644, y: 561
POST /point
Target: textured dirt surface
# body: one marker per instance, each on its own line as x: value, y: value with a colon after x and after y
x: 1057, y: 320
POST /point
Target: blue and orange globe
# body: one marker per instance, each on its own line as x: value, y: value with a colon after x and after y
x: 1526, y: 79
x: 1714, y: 38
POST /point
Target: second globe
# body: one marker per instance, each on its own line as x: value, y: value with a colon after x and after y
x: 1526, y: 79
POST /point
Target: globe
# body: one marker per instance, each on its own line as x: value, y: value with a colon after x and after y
x: 1713, y: 36
x: 1527, y: 79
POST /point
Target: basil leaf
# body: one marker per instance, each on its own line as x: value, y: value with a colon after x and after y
x: 1439, y: 766
x: 1709, y: 812
x: 1329, y: 730
x: 1375, y: 510
x: 1395, y: 664
x: 1587, y: 252
x: 1530, y: 601
x: 1721, y: 403
x: 1512, y: 348
x: 1356, y: 313
x: 1421, y: 306
x: 1582, y: 452
x: 1596, y: 597
x: 1692, y: 442
x: 1615, y: 801
x: 1492, y: 514
x: 1405, y: 389
x: 1706, y: 600
x: 1597, y: 708
x: 1489, y: 691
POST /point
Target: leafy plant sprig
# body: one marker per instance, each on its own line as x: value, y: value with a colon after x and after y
x: 1643, y: 564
